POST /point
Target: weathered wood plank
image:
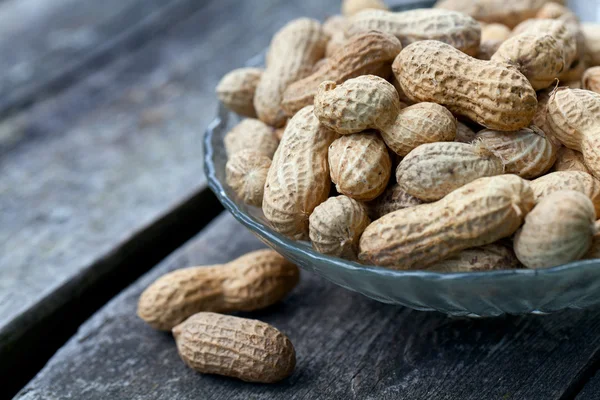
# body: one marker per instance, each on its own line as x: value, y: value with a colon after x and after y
x: 112, y: 164
x: 47, y: 45
x: 348, y: 347
x: 591, y: 390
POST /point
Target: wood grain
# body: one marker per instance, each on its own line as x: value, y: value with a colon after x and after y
x: 348, y: 347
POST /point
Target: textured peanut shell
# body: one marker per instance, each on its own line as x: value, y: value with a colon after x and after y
x: 477, y: 214
x: 507, y: 12
x: 553, y: 10
x: 538, y: 56
x: 433, y: 170
x: 367, y: 53
x: 351, y: 7
x: 485, y: 258
x: 568, y: 180
x: 526, y: 152
x: 246, y: 173
x: 419, y: 124
x: 365, y: 102
x: 394, y: 198
x: 292, y: 54
x: 558, y: 230
x: 250, y: 282
x: 464, y: 134
x: 591, y: 79
x: 236, y: 90
x: 360, y: 165
x: 334, y: 24
x: 591, y: 33
x: 298, y: 179
x: 251, y: 134
x: 456, y: 29
x: 492, y: 36
x: 494, y: 95
x: 241, y: 348
x: 336, y: 226
x: 569, y: 160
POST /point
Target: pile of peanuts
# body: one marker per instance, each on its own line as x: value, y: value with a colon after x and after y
x: 487, y: 111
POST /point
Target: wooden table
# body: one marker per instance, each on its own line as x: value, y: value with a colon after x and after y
x: 103, y: 108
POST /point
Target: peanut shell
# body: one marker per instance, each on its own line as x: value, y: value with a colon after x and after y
x: 236, y: 90
x: 568, y: 180
x: 251, y: 134
x: 246, y: 173
x: 485, y: 258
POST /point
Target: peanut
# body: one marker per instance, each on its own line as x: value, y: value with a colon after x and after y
x: 573, y: 118
x: 558, y: 230
x: 368, y: 53
x: 464, y: 134
x: 591, y: 79
x: 351, y: 7
x: 568, y: 180
x: 360, y: 165
x: 591, y: 34
x: 485, y: 258
x: 538, y: 56
x: 527, y: 152
x: 419, y: 124
x: 433, y: 170
x: 293, y: 52
x: 298, y: 179
x: 251, y: 134
x: 334, y: 27
x: 392, y: 199
x: 241, y: 348
x: 569, y: 160
x: 493, y: 95
x: 477, y: 214
x: 492, y: 36
x: 366, y: 102
x: 336, y: 225
x: 455, y: 29
x: 507, y: 12
x: 253, y: 281
x: 236, y: 90
x: 246, y: 173
x: 554, y: 10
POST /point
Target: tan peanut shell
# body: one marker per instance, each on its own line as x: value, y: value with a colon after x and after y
x: 368, y: 53
x: 494, y: 95
x: 394, y: 198
x: 419, y: 124
x: 246, y: 173
x: 336, y: 225
x: 574, y: 119
x: 456, y: 29
x: 298, y: 179
x: 492, y: 36
x: 485, y: 258
x: 351, y: 7
x: 334, y: 27
x: 558, y: 230
x: 433, y: 170
x: 553, y: 10
x: 538, y: 56
x: 568, y: 180
x: 477, y: 214
x: 464, y: 134
x: 236, y: 90
x: 365, y: 102
x: 292, y: 54
x: 569, y: 160
x: 360, y: 165
x: 526, y: 152
x: 251, y: 134
x: 591, y: 34
x: 507, y: 12
x: 241, y: 348
x: 250, y: 282
x: 591, y: 79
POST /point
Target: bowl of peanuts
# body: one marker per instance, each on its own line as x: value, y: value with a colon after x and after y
x: 442, y: 158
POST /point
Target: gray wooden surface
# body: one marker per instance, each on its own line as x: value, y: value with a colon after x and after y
x: 348, y: 347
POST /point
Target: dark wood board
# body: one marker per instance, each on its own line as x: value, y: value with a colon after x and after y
x: 591, y: 390
x: 348, y: 347
x: 109, y: 173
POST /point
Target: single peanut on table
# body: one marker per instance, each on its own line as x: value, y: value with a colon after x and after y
x: 558, y: 230
x: 241, y: 348
x: 246, y: 173
x: 250, y: 282
x: 479, y: 213
x: 336, y: 226
x: 236, y: 90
